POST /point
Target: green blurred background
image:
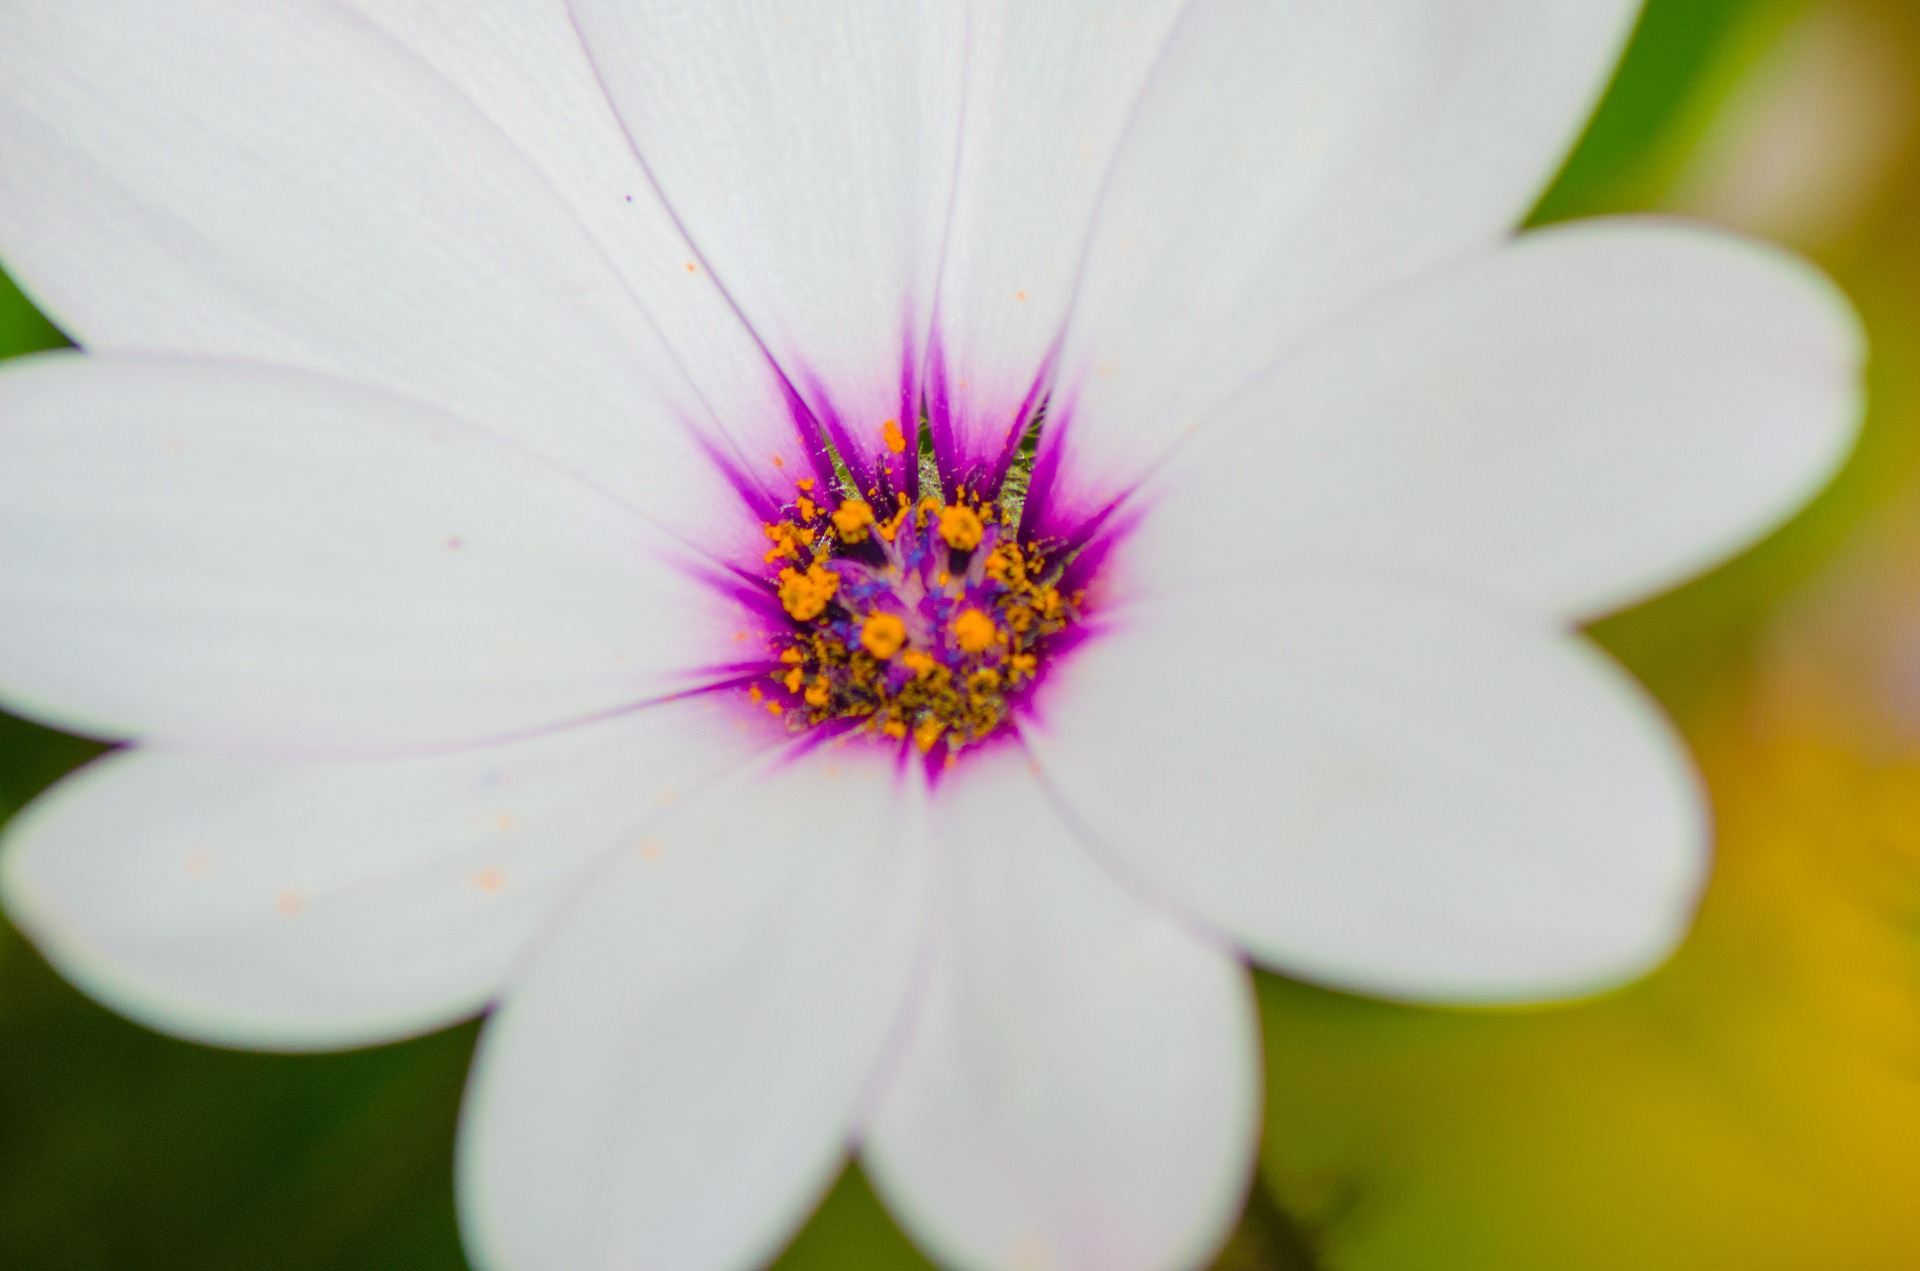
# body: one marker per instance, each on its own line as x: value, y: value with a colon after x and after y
x: 1754, y: 1105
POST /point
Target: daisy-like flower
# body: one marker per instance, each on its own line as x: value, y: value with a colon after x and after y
x: 843, y: 562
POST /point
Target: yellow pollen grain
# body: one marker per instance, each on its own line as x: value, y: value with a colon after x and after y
x: 806, y: 596
x: 895, y: 439
x: 1005, y: 567
x: 793, y: 657
x: 961, y: 527
x: 894, y: 729
x: 882, y: 635
x: 775, y: 709
x: 795, y: 678
x: 806, y: 507
x: 974, y: 632
x: 820, y: 693
x: 290, y: 902
x: 1021, y: 665
x: 490, y: 879
x: 853, y: 519
x: 919, y: 663
x: 805, y: 484
x: 787, y: 540
x: 927, y: 734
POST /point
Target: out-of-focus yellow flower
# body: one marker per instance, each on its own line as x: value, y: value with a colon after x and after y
x: 1756, y: 1104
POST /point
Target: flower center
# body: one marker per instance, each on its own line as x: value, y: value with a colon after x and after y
x: 923, y: 622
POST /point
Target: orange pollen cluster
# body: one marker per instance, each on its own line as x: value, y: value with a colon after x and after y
x: 806, y: 596
x: 922, y: 626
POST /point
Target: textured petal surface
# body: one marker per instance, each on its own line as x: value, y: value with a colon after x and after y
x: 671, y: 1084
x: 297, y: 905
x: 522, y: 63
x: 1289, y: 159
x: 808, y: 148
x: 1575, y: 422
x: 241, y: 557
x: 1080, y: 1087
x: 285, y: 182
x: 1050, y: 87
x: 1383, y: 789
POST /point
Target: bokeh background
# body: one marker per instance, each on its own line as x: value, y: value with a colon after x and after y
x: 1753, y: 1105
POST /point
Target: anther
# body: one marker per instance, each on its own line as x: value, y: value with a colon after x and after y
x: 853, y: 519
x: 882, y: 635
x: 805, y: 596
x: 974, y: 632
x: 960, y: 526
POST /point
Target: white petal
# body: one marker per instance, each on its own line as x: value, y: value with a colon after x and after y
x: 808, y: 148
x: 283, y: 182
x: 672, y: 1083
x: 1583, y: 419
x: 1050, y: 87
x: 284, y: 905
x: 1288, y: 160
x: 221, y: 554
x: 1383, y: 789
x: 521, y: 62
x: 1080, y: 1089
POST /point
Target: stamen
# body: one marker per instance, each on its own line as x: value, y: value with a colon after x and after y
x: 974, y: 632
x: 926, y: 625
x: 853, y: 519
x: 805, y: 596
x: 882, y: 635
x: 960, y: 526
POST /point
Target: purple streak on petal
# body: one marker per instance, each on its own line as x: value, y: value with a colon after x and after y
x: 1037, y: 518
x: 754, y: 496
x: 940, y: 413
x: 834, y: 429
x: 808, y: 432
x: 996, y: 475
x: 904, y: 468
x: 1095, y: 541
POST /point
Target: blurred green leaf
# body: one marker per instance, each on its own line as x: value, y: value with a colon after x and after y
x: 851, y: 1232
x: 22, y: 329
x: 1683, y: 57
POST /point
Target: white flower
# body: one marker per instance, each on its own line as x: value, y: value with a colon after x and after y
x: 453, y: 381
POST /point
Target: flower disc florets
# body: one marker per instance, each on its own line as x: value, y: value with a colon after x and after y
x: 923, y: 622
